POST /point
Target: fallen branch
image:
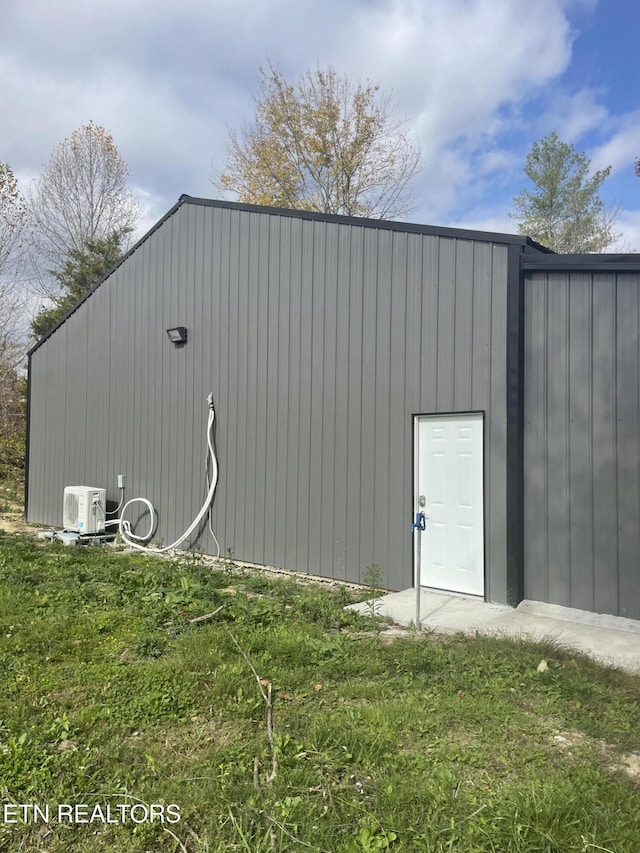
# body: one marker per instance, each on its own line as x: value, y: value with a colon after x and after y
x: 183, y: 849
x: 267, y: 699
x: 286, y: 832
x: 206, y: 616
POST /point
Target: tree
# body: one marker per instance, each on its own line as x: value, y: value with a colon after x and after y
x: 81, y: 196
x: 13, y: 218
x: 321, y: 143
x: 83, y: 269
x: 12, y: 419
x: 563, y: 210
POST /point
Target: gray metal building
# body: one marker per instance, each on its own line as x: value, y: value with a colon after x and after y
x: 354, y: 365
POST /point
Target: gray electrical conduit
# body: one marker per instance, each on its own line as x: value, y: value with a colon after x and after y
x: 124, y: 526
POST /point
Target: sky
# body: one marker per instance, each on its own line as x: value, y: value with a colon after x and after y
x: 477, y: 81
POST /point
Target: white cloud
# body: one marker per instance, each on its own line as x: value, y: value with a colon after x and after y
x: 573, y: 115
x: 169, y: 81
x: 488, y: 220
x: 457, y: 62
x: 153, y: 209
x: 628, y: 225
x: 622, y: 148
x: 460, y: 69
x: 499, y: 160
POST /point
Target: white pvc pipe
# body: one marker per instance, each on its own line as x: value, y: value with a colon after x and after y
x: 124, y: 526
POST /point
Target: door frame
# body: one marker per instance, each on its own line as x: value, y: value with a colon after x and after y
x: 415, y: 421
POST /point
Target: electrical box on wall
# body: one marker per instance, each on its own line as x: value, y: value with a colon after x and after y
x: 84, y: 509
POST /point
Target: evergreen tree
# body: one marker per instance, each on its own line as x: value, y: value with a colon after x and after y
x: 563, y: 210
x: 82, y: 270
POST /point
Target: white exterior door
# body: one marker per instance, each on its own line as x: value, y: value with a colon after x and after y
x: 449, y: 473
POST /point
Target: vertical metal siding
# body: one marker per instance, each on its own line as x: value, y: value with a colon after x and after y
x: 319, y: 341
x: 582, y: 422
x: 496, y: 439
x: 580, y: 578
x: 340, y: 461
x: 628, y: 436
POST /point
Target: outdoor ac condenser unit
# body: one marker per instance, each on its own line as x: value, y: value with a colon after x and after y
x: 84, y: 509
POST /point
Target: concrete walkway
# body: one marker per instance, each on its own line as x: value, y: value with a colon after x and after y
x: 610, y: 639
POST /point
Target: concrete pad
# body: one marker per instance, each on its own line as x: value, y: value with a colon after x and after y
x: 612, y: 640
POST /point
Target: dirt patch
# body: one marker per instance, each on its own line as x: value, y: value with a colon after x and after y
x: 575, y: 744
x: 196, y: 737
x: 13, y: 522
x: 630, y: 764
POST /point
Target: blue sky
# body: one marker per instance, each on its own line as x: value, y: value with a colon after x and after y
x: 477, y: 80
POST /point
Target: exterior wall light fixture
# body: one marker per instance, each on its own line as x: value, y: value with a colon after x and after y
x: 178, y: 335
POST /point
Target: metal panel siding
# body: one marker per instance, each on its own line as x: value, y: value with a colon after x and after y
x: 580, y: 451
x: 304, y: 483
x: 582, y: 413
x: 628, y: 436
x: 382, y: 415
x: 319, y: 341
x: 400, y: 544
x: 316, y: 384
x: 367, y: 462
x: 356, y: 397
x: 428, y: 329
x: 230, y: 339
x: 292, y: 328
x: 463, y: 324
x: 340, y: 460
x: 605, y: 517
x: 328, y: 395
x: 445, y: 325
x: 496, y: 434
x: 535, y: 476
x: 557, y: 431
x: 282, y: 367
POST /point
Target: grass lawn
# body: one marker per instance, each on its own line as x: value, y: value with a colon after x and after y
x: 286, y: 723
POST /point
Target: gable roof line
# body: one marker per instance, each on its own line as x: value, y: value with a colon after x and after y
x: 129, y: 252
x: 383, y: 224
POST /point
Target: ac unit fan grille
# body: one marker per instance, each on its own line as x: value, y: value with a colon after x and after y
x: 71, y: 509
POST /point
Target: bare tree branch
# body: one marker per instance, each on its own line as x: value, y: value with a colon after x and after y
x: 268, y: 701
x: 13, y: 321
x: 82, y: 196
x: 322, y: 143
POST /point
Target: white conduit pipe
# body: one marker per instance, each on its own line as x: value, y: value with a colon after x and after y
x: 134, y: 541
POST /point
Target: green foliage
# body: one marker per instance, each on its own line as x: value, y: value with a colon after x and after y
x: 11, y: 452
x: 12, y: 429
x: 83, y: 269
x: 111, y: 694
x: 322, y: 143
x: 372, y: 579
x: 562, y: 209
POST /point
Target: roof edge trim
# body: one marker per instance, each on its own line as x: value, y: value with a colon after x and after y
x: 530, y: 262
x: 385, y: 224
x: 129, y: 252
